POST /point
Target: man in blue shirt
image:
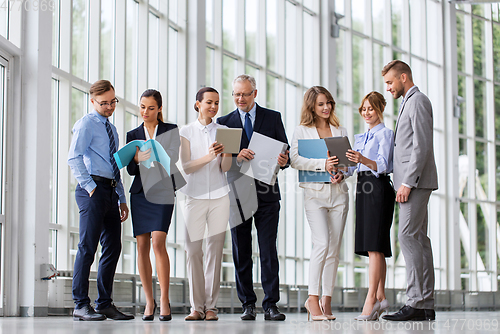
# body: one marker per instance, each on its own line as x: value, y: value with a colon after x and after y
x: 98, y: 193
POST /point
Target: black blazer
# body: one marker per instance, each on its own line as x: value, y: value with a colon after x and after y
x: 171, y: 142
x: 268, y: 123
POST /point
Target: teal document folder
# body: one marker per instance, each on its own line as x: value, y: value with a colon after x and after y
x: 127, y: 153
x: 313, y: 149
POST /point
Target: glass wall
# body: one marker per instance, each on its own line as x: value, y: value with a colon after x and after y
x: 279, y: 42
x: 478, y: 42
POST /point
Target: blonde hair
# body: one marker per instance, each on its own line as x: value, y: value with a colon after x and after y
x: 377, y: 101
x: 308, y: 115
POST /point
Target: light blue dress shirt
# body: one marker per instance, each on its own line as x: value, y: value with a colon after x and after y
x: 376, y: 144
x: 252, y: 113
x: 89, y: 152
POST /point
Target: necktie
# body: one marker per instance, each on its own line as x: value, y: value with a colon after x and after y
x: 112, y: 150
x: 248, y: 126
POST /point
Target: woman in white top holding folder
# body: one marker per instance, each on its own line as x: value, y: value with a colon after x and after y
x: 207, y: 204
x: 325, y: 203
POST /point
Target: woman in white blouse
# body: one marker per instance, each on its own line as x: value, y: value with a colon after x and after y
x: 207, y: 203
x: 326, y: 204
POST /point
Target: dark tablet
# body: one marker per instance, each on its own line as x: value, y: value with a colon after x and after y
x: 338, y: 146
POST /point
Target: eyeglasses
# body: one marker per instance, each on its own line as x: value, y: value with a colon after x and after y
x: 106, y: 104
x: 238, y: 95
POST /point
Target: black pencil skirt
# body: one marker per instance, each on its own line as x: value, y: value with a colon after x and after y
x: 375, y: 198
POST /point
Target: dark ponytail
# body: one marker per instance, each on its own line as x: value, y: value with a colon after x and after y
x: 201, y: 92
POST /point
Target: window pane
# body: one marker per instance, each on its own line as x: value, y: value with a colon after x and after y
x: 417, y: 28
x: 131, y: 52
x: 310, y: 59
x: 251, y: 31
x: 55, y: 145
x: 155, y: 3
x: 497, y: 178
x: 228, y: 75
x: 483, y: 245
x: 494, y: 12
x: 461, y: 42
x: 271, y: 34
x: 290, y: 271
x: 340, y: 65
x: 479, y: 108
x: 397, y: 25
x: 497, y: 113
x: 291, y: 41
x: 272, y: 92
x: 79, y: 52
x: 107, y: 40
x: 4, y: 20
x: 357, y: 69
x: 482, y: 169
x: 209, y: 70
x: 378, y: 19
x: 172, y: 10
x: 496, y: 52
x: 358, y: 126
x: 378, y: 64
x: 254, y: 72
x: 339, y: 7
x: 229, y: 25
x: 358, y: 15
x: 312, y: 4
x: 129, y: 257
x: 479, y: 49
x: 172, y: 74
x: 434, y: 32
x: 209, y: 17
x: 153, y: 54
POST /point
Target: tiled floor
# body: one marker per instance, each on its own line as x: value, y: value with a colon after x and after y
x: 446, y: 322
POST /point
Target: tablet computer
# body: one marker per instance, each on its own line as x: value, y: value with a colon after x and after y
x: 338, y: 147
x: 230, y: 138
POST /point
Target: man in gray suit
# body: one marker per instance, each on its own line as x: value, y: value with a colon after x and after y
x: 415, y: 177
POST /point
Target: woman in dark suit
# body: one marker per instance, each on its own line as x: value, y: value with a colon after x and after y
x: 152, y: 200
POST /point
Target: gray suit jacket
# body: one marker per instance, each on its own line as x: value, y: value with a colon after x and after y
x: 413, y: 144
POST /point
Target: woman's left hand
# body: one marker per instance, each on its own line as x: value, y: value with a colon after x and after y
x: 354, y: 156
x: 337, y: 178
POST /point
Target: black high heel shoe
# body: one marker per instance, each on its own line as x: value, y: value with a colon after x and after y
x: 150, y: 317
x: 167, y: 317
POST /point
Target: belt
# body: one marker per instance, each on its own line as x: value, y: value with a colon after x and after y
x: 111, y: 182
x: 368, y: 173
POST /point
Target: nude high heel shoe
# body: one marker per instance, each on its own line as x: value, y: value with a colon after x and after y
x: 372, y: 316
x: 310, y: 315
x: 328, y: 316
x: 384, y: 307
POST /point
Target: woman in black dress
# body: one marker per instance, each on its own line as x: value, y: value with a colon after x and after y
x: 152, y: 200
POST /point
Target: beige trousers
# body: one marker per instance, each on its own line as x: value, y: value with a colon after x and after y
x: 204, y: 285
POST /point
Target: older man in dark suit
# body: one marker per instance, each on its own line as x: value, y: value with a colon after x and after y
x: 253, y: 118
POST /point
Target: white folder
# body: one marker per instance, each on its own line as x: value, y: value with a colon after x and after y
x: 264, y: 166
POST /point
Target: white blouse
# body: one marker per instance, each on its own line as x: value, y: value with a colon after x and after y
x: 208, y: 182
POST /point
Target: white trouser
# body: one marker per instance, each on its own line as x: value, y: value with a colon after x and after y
x: 204, y: 286
x: 326, y: 212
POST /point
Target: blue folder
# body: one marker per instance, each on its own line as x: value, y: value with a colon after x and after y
x: 313, y: 149
x: 127, y: 153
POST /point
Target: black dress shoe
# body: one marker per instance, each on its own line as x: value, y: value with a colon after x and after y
x: 112, y: 313
x: 87, y: 313
x: 248, y: 312
x: 272, y: 313
x: 430, y: 314
x: 150, y: 317
x: 406, y: 313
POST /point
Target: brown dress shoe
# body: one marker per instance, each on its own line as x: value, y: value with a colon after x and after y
x: 211, y: 316
x: 194, y: 316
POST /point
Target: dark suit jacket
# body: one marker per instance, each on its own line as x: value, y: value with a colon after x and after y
x: 268, y: 123
x: 168, y: 136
